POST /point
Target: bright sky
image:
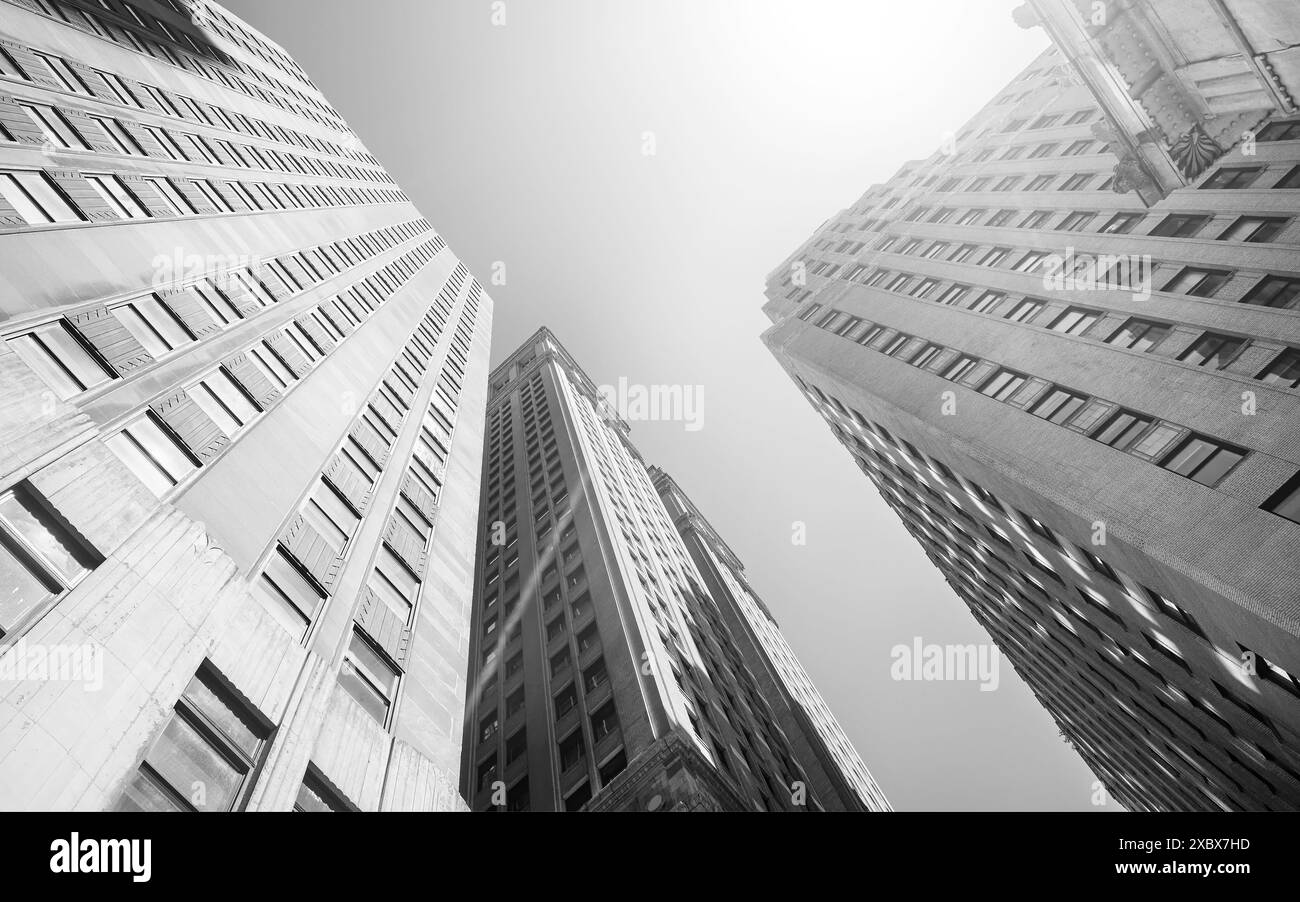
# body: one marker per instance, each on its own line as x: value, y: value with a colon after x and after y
x: 523, y: 144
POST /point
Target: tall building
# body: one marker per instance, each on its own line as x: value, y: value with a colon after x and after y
x: 609, y: 671
x: 1066, y: 351
x: 835, y: 771
x: 241, y: 393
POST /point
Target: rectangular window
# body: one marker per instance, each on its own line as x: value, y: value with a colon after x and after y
x: 1076, y: 222
x: 153, y: 325
x: 1255, y: 229
x: 149, y: 450
x: 1179, y: 225
x: 55, y: 126
x: 1139, y: 335
x: 212, y: 740
x: 1122, y: 429
x: 35, y: 197
x: 289, y: 594
x: 1233, y: 177
x: 58, y: 356
x: 1275, y: 291
x: 1121, y: 223
x: 1075, y: 321
x: 1203, y: 459
x: 1003, y: 384
x: 117, y: 196
x: 1284, y: 370
x: 1285, y: 502
x: 1024, y: 311
x: 369, y: 677
x: 1059, y: 405
x: 1213, y: 351
x: 40, y: 558
x: 223, y: 401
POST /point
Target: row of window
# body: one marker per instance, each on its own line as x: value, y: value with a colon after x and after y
x: 977, y: 571
x: 32, y: 122
x: 1212, y: 349
x: 198, y: 58
x: 35, y: 197
x: 82, y: 351
x: 1176, y: 448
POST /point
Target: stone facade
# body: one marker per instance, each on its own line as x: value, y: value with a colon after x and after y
x: 225, y: 334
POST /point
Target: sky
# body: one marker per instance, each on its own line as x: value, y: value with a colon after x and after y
x: 634, y: 169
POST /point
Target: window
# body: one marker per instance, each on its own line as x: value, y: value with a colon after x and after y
x: 604, y: 721
x: 1075, y: 321
x: 315, y: 795
x: 1040, y: 182
x: 1003, y: 384
x: 115, y: 193
x: 612, y: 768
x: 595, y: 676
x: 987, y: 301
x: 1284, y: 370
x: 1076, y: 222
x: 1211, y: 350
x: 1179, y: 225
x: 179, y: 204
x: 55, y: 126
x: 571, y: 751
x: 212, y: 740
x: 60, y: 359
x: 1042, y: 150
x: 1121, y: 223
x: 952, y: 294
x: 516, y: 746
x: 960, y: 367
x: 1123, y: 429
x: 1233, y: 177
x: 1077, y: 148
x: 35, y: 198
x: 40, y: 558
x: 1203, y: 459
x: 1198, y: 282
x: 1280, y: 131
x: 1285, y: 502
x: 1255, y: 229
x: 1035, y: 219
x: 152, y: 454
x: 1023, y: 311
x: 1291, y: 179
x: 1077, y: 182
x: 566, y: 701
x: 1059, y: 405
x: 1139, y: 335
x: 153, y: 325
x: 1275, y: 291
x: 369, y: 677
x: 579, y: 797
x: 290, y: 596
x: 485, y: 773
x: 119, y: 136
x: 223, y: 401
x: 1029, y: 262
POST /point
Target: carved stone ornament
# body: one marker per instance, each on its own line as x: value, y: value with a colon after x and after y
x: 1195, y: 151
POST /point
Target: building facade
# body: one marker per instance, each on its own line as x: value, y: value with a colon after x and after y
x: 835, y: 771
x: 1066, y: 351
x: 607, y: 670
x: 241, y: 393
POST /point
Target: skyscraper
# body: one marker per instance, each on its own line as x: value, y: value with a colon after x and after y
x: 1065, y: 350
x: 611, y: 672
x: 241, y: 393
x: 834, y: 769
